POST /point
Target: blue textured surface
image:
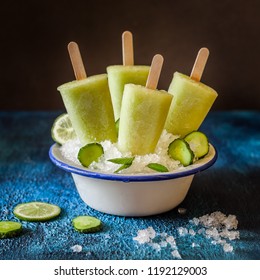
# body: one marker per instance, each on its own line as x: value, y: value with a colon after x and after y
x: 231, y: 186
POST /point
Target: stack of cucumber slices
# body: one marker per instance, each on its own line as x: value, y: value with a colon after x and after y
x: 193, y: 146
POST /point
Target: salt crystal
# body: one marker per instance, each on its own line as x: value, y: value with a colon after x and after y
x: 192, y: 232
x: 76, y: 248
x: 176, y: 254
x: 194, y: 245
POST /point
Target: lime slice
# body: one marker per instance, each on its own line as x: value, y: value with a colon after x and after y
x: 87, y: 224
x: 90, y: 153
x: 62, y: 130
x: 36, y: 211
x: 9, y: 229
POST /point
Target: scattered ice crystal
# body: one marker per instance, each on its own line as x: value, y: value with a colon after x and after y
x: 163, y: 244
x: 157, y: 240
x: 145, y: 235
x: 156, y: 246
x: 217, y: 227
x: 76, y: 248
x: 227, y: 248
x: 192, y: 232
x: 182, y: 231
x: 176, y: 254
x: 182, y: 211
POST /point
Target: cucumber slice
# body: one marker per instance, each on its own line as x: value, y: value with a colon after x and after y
x: 180, y: 150
x: 9, y: 229
x: 89, y: 153
x: 158, y: 167
x: 198, y: 143
x: 87, y: 224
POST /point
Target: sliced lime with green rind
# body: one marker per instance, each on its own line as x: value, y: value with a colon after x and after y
x: 9, y: 229
x: 87, y: 224
x: 62, y: 130
x: 36, y: 211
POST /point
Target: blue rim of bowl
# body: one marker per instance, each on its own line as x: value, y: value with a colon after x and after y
x: 196, y: 167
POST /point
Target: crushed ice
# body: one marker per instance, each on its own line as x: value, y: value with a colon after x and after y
x: 76, y: 248
x: 157, y: 240
x: 217, y: 227
x: 70, y: 150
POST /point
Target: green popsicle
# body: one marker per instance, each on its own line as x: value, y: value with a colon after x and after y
x: 192, y: 99
x: 128, y: 73
x: 88, y: 103
x: 143, y: 114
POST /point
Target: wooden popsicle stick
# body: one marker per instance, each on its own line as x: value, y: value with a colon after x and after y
x: 199, y: 64
x: 76, y: 61
x: 155, y: 71
x: 127, y: 47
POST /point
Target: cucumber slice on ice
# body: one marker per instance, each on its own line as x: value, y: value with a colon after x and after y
x: 179, y: 150
x: 89, y: 153
x: 86, y: 224
x: 9, y: 229
x: 198, y: 143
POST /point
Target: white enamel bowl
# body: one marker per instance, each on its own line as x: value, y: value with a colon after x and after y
x: 132, y: 195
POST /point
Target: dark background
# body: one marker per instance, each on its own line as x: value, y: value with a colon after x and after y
x: 34, y: 37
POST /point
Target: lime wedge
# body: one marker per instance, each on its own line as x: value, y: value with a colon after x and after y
x: 9, y: 229
x: 87, y: 224
x: 36, y: 211
x: 62, y: 130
